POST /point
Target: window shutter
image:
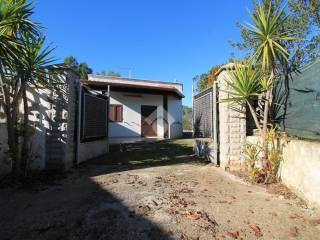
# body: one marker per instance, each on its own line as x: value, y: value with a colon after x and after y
x: 116, y: 114
x: 112, y: 113
x: 119, y: 113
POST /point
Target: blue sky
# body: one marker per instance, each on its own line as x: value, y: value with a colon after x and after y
x: 156, y: 39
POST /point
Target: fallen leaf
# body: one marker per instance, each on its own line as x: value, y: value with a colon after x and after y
x: 234, y: 234
x: 293, y: 232
x: 155, y: 203
x: 295, y: 215
x: 255, y: 229
x: 192, y: 215
x: 315, y: 222
x: 274, y: 214
x: 186, y: 190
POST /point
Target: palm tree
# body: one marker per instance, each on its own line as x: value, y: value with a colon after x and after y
x: 14, y: 21
x: 269, y: 35
x: 245, y: 86
x: 32, y: 70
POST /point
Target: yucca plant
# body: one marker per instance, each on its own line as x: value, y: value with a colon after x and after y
x: 23, y: 62
x: 247, y: 84
x: 32, y: 70
x: 269, y: 34
x: 14, y: 22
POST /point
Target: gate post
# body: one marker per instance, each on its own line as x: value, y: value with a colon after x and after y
x: 231, y: 124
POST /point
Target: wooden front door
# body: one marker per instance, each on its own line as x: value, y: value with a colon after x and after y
x: 148, y: 121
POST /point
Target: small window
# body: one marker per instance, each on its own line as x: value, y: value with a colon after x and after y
x: 115, y: 113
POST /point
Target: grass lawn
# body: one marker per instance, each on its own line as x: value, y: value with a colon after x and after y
x: 157, y: 153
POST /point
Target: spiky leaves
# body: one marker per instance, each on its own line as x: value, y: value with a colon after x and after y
x: 14, y: 21
x: 245, y: 84
x: 268, y: 34
x: 34, y: 60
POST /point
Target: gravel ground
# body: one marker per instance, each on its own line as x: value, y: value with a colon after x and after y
x: 181, y: 201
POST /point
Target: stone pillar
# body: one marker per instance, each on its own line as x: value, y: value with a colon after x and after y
x: 60, y: 140
x: 232, y: 125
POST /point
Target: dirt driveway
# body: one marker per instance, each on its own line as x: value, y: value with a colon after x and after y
x: 178, y: 200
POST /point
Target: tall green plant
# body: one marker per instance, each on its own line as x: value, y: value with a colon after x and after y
x: 14, y: 22
x: 245, y: 86
x: 22, y: 62
x: 269, y: 35
x: 32, y: 70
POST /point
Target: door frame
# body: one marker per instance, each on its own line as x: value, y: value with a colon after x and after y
x: 156, y: 120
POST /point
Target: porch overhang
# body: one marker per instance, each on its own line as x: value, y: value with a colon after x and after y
x: 158, y: 89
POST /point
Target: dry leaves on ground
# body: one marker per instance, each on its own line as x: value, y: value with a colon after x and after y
x: 255, y: 229
x: 192, y: 215
x: 293, y: 232
x: 234, y: 234
x: 315, y: 222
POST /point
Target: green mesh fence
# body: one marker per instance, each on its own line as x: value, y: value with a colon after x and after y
x: 302, y: 118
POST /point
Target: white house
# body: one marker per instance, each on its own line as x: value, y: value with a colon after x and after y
x: 141, y: 108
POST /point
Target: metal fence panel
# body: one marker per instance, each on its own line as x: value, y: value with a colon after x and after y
x: 202, y: 115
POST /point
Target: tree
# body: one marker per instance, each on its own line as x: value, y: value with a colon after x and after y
x: 72, y: 62
x: 15, y: 23
x: 82, y: 69
x: 268, y: 37
x: 206, y: 80
x: 32, y: 70
x: 201, y: 82
x: 186, y: 118
x: 304, y: 21
x: 109, y: 73
x: 212, y: 74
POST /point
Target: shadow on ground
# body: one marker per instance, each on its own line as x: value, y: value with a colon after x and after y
x: 145, y: 155
x: 76, y: 207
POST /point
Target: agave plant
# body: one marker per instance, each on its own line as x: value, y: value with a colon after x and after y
x: 245, y: 85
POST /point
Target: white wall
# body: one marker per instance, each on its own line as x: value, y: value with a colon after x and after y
x: 38, y: 117
x: 89, y: 150
x: 175, y: 117
x: 300, y: 168
x: 131, y: 125
x: 44, y: 114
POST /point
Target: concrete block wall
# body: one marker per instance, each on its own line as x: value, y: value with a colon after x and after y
x: 61, y: 134
x: 53, y: 117
x: 72, y: 92
x: 232, y: 126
